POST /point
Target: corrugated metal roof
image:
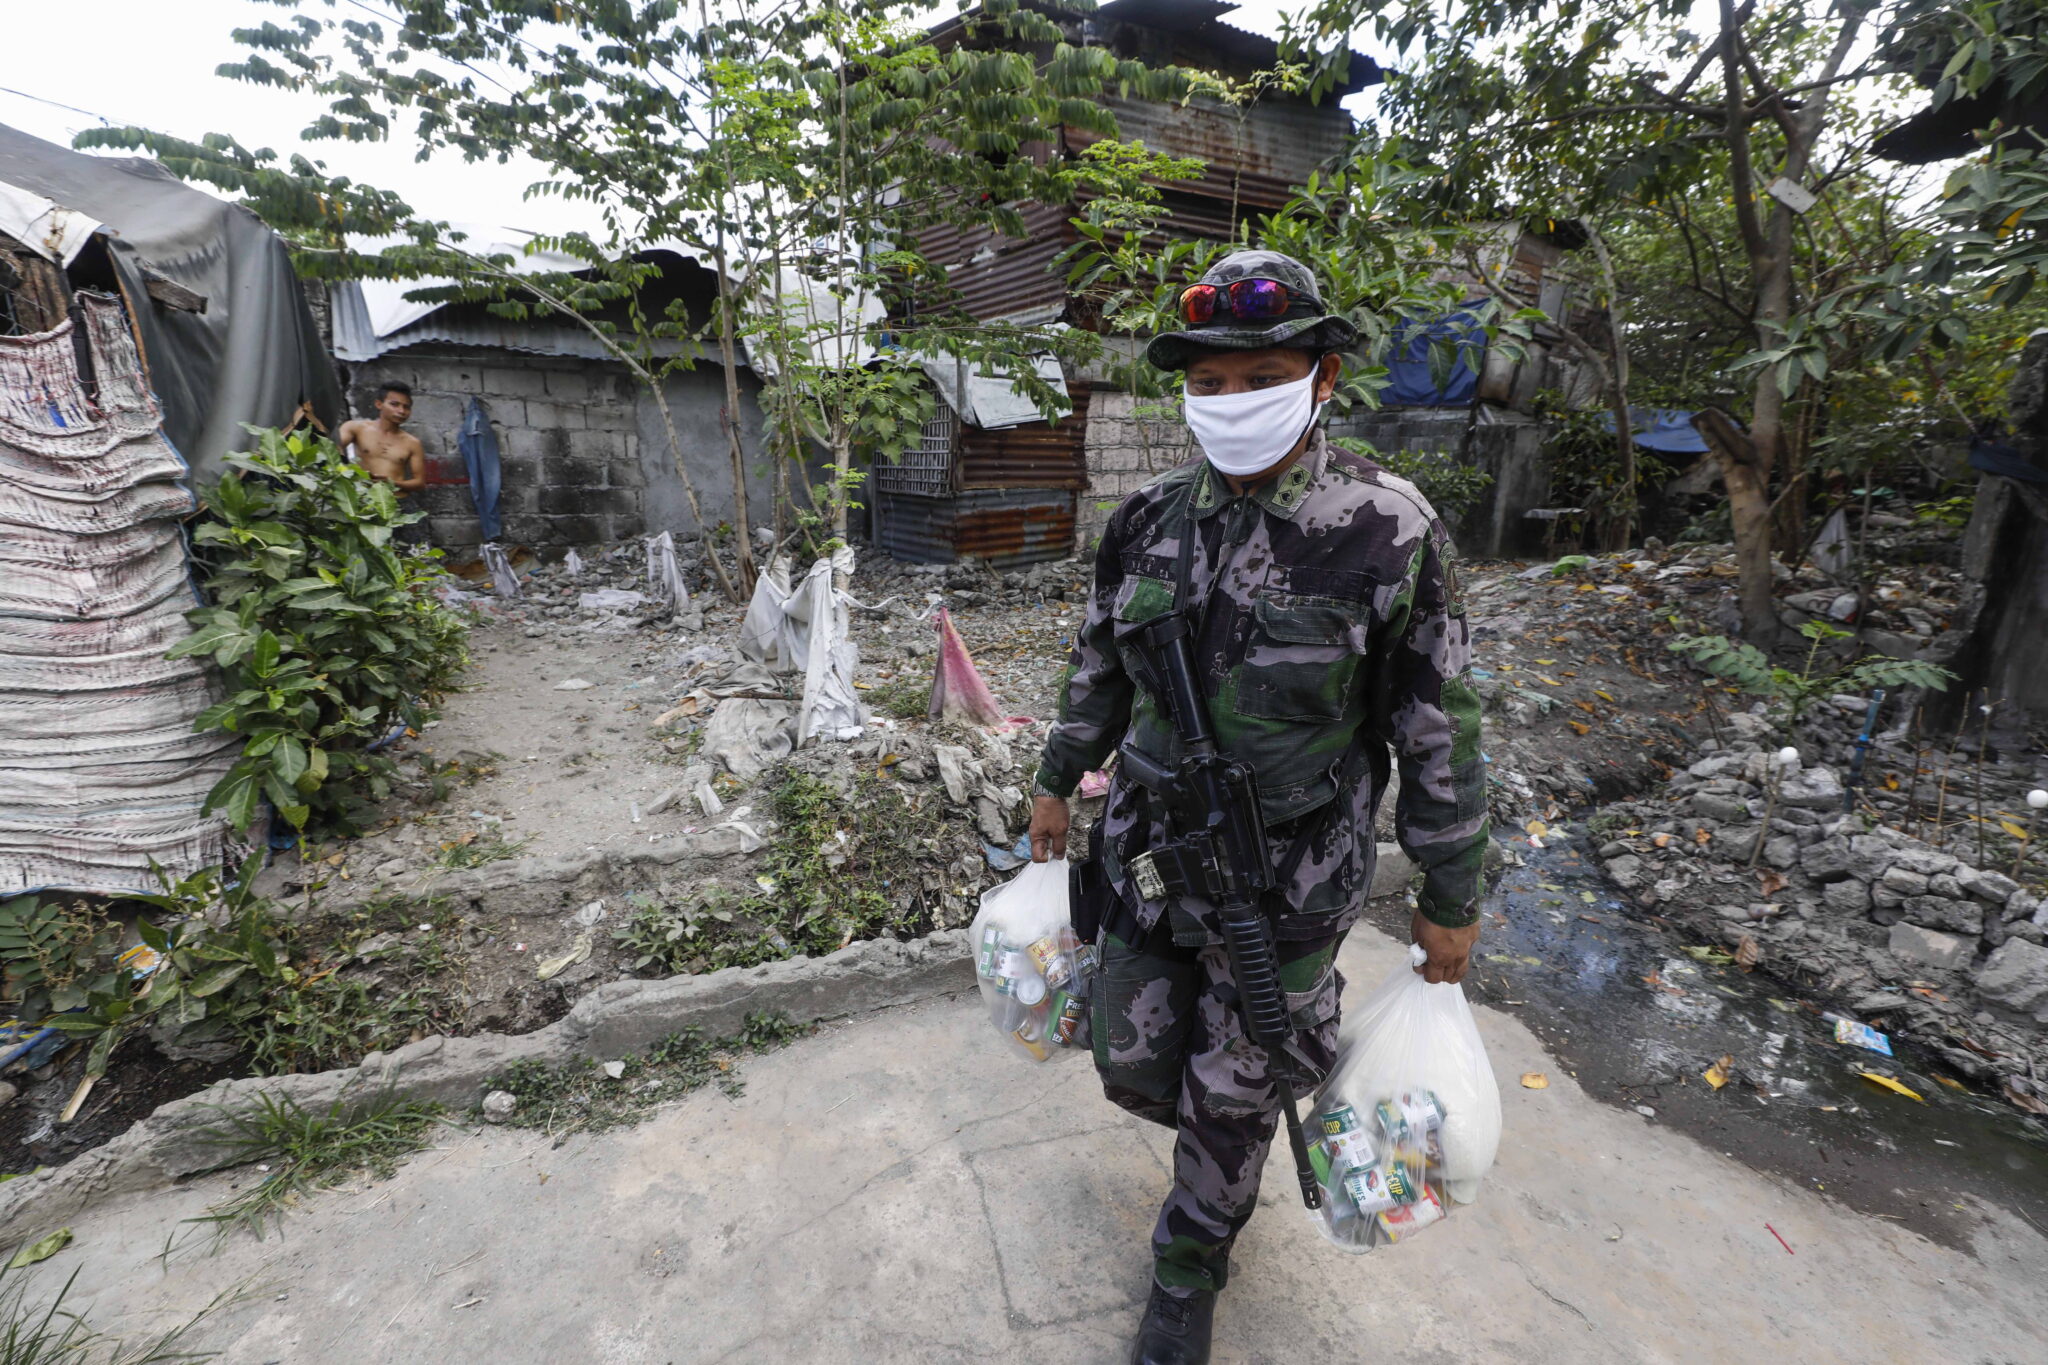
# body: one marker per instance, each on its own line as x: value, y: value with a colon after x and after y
x: 461, y: 326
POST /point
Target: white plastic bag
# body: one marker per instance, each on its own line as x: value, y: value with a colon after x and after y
x: 1035, y: 973
x: 1410, y: 1116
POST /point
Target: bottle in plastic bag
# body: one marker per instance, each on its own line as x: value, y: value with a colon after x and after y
x: 1034, y: 972
x: 1408, y: 1123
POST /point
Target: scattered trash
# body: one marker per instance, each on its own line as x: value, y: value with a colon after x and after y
x: 574, y: 685
x: 1535, y: 1080
x: 1093, y: 784
x: 1717, y: 1074
x: 1853, y: 1034
x: 615, y: 1070
x: 1781, y: 1240
x: 578, y: 952
x: 503, y: 580
x: 590, y: 914
x: 1008, y: 859
x: 664, y: 576
x: 1889, y: 1084
x: 959, y: 693
x: 573, y: 562
x: 42, y: 1250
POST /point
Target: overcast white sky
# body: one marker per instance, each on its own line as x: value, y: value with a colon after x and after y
x: 151, y: 62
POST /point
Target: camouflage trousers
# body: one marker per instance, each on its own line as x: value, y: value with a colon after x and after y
x: 1170, y: 1046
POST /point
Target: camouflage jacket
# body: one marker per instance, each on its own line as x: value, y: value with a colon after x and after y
x: 1330, y: 628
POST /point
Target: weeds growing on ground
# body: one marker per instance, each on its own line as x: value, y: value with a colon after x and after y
x: 835, y: 872
x: 51, y: 1334
x: 475, y: 852
x: 905, y: 698
x: 582, y: 1096
x: 305, y: 1150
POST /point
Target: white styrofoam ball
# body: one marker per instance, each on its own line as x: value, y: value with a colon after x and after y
x: 1788, y: 755
x: 2037, y: 798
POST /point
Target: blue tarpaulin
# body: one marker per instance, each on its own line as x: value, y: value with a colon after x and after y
x: 1462, y: 341
x: 479, y: 446
x: 1666, y: 429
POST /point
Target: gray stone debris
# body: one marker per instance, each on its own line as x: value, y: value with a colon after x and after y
x: 499, y: 1105
x: 2016, y: 976
x: 1912, y: 943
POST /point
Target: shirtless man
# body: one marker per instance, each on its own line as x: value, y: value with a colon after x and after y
x: 383, y: 447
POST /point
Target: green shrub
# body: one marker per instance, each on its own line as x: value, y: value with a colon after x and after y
x: 1748, y: 668
x: 1451, y: 488
x: 329, y: 637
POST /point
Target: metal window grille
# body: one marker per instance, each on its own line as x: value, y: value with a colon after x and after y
x: 926, y: 469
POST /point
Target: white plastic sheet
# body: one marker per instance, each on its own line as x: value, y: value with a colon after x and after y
x: 805, y: 630
x: 664, y: 576
x: 502, y: 578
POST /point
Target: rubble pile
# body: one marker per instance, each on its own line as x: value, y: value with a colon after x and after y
x: 1861, y: 914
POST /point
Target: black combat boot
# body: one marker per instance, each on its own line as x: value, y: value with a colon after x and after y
x: 1176, y: 1328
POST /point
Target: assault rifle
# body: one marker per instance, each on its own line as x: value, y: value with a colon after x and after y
x: 1217, y: 852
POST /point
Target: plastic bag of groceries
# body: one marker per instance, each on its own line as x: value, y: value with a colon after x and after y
x: 1408, y: 1123
x: 1034, y: 971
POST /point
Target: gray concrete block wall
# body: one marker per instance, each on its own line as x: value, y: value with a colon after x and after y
x: 568, y: 442
x: 1124, y: 452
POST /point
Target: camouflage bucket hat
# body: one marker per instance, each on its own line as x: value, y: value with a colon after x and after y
x: 1305, y: 324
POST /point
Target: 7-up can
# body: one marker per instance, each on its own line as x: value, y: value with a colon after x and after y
x: 1341, y: 1119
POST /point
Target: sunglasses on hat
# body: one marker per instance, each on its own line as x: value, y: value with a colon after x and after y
x: 1199, y: 303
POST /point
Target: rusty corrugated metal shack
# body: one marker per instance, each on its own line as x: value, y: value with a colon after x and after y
x: 1010, y: 496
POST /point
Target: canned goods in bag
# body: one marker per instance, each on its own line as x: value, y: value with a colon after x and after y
x: 1070, y: 1019
x: 989, y: 958
x: 1086, y: 963
x: 1351, y: 1150
x: 1051, y: 960
x: 1342, y: 1119
x: 1367, y: 1190
x: 1030, y: 1036
x: 1399, y: 1223
x: 1030, y: 989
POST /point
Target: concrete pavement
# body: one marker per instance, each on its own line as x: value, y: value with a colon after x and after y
x: 898, y: 1188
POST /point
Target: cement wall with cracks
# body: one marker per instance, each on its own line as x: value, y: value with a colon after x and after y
x: 615, y: 1019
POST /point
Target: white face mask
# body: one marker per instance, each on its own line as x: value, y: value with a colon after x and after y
x: 1248, y: 433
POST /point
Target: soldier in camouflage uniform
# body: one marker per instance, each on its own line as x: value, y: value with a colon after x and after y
x: 1329, y: 628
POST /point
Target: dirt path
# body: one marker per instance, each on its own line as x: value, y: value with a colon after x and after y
x: 899, y: 1189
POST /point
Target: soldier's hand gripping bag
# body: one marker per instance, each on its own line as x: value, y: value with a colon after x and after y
x: 1035, y: 973
x: 1407, y: 1124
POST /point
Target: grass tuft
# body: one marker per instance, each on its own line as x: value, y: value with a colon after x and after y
x: 581, y: 1096
x: 306, y: 1150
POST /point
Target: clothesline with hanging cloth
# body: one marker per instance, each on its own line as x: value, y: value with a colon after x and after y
x: 100, y: 769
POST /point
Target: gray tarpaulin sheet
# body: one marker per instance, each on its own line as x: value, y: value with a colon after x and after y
x: 254, y: 355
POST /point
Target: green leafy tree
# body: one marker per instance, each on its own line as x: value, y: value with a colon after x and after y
x: 800, y: 151
x: 1521, y: 105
